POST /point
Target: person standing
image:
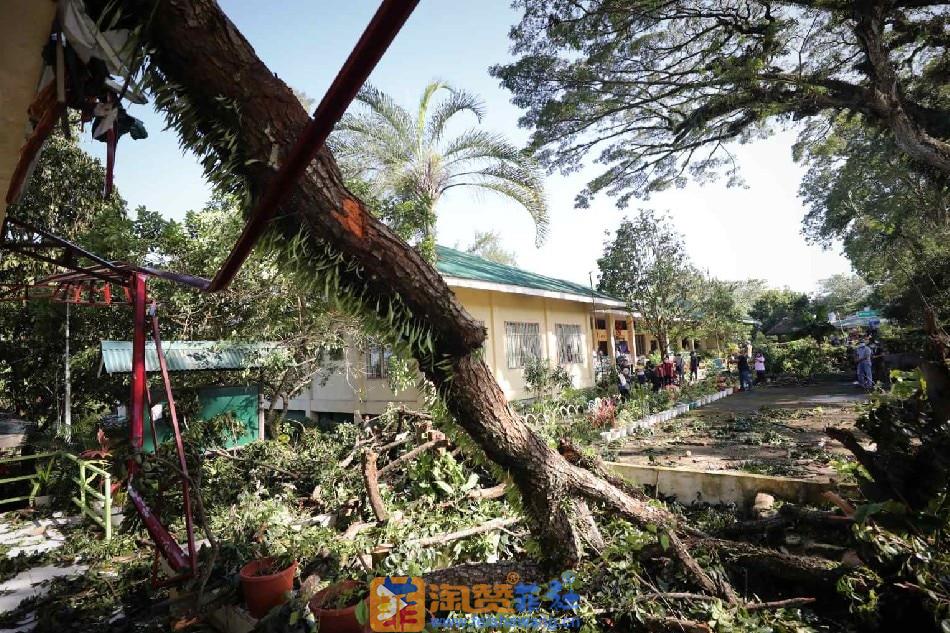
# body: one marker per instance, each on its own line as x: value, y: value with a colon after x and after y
x: 669, y: 370
x: 623, y: 383
x: 693, y: 366
x: 641, y: 375
x: 680, y: 367
x: 759, y: 368
x: 745, y: 376
x: 653, y: 374
x: 862, y: 357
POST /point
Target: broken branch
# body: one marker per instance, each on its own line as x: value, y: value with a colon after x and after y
x: 371, y: 479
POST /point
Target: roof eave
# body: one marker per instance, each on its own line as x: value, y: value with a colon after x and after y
x: 477, y: 284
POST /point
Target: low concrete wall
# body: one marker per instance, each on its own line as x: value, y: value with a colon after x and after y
x: 690, y: 486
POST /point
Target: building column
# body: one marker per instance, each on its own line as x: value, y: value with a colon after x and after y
x: 611, y: 337
x: 633, y: 339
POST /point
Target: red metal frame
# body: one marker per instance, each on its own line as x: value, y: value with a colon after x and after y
x: 99, y: 275
x: 377, y: 37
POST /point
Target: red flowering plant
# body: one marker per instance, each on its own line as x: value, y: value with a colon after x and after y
x: 604, y: 413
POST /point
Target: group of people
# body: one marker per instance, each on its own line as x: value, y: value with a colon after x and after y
x: 745, y: 370
x: 670, y: 371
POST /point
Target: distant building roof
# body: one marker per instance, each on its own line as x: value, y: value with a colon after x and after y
x: 186, y: 355
x: 470, y: 271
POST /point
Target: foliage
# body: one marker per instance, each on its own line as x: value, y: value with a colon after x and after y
x: 487, y: 245
x: 64, y: 194
x: 843, y: 293
x: 411, y: 157
x: 646, y: 265
x: 776, y: 305
x: 544, y: 380
x: 720, y: 312
x: 889, y: 216
x: 660, y: 89
x: 803, y: 358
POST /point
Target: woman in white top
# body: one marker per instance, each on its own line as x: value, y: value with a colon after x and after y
x: 759, y: 368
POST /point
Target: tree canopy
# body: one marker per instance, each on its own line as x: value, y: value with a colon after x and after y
x: 659, y: 89
x: 646, y: 265
x: 413, y: 157
x: 891, y: 218
x: 264, y: 304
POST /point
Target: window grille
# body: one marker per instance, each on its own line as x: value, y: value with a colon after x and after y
x: 569, y: 349
x: 522, y: 342
x: 377, y: 360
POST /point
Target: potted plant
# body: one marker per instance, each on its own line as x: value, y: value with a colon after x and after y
x: 41, y: 483
x: 342, y: 607
x: 265, y: 582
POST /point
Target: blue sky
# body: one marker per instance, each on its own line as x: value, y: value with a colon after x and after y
x: 734, y: 233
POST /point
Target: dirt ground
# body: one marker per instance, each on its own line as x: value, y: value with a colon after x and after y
x: 773, y: 430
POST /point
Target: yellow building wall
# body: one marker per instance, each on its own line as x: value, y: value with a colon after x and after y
x: 351, y: 390
x: 497, y: 308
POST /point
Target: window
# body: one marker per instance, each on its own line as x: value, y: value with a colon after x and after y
x: 600, y: 324
x: 377, y: 360
x: 568, y: 343
x: 641, y: 341
x: 522, y: 342
x: 620, y: 324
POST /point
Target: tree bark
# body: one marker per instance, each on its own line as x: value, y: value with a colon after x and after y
x: 886, y: 97
x: 209, y: 65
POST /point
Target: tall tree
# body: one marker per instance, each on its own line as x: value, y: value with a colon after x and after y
x: 720, y: 314
x: 660, y: 88
x: 412, y: 156
x: 487, y: 245
x: 646, y: 265
x: 331, y: 237
x: 780, y: 304
x: 842, y: 293
x: 64, y: 195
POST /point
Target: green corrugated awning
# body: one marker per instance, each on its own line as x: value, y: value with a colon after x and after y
x: 187, y: 355
x: 456, y: 264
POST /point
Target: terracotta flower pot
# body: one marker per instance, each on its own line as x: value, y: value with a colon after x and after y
x: 342, y: 620
x: 264, y: 592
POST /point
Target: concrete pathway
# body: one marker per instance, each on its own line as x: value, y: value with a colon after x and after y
x: 31, y: 537
x: 732, y: 434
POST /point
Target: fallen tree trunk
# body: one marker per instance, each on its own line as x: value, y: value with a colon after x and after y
x: 242, y: 119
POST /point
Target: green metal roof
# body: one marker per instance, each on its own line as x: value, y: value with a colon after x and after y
x: 187, y: 355
x: 453, y: 263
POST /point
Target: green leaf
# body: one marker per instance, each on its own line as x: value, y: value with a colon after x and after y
x: 471, y: 483
x: 362, y: 612
x: 664, y: 541
x: 446, y: 488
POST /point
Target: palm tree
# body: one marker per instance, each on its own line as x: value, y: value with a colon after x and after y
x: 411, y: 160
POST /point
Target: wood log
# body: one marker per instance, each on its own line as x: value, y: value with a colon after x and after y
x: 371, y: 480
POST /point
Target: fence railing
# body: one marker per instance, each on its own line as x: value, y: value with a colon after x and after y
x: 92, y: 477
x: 34, y: 477
x: 89, y: 472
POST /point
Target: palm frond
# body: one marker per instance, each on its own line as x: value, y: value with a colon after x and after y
x: 459, y: 101
x: 424, y: 103
x: 520, y: 181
